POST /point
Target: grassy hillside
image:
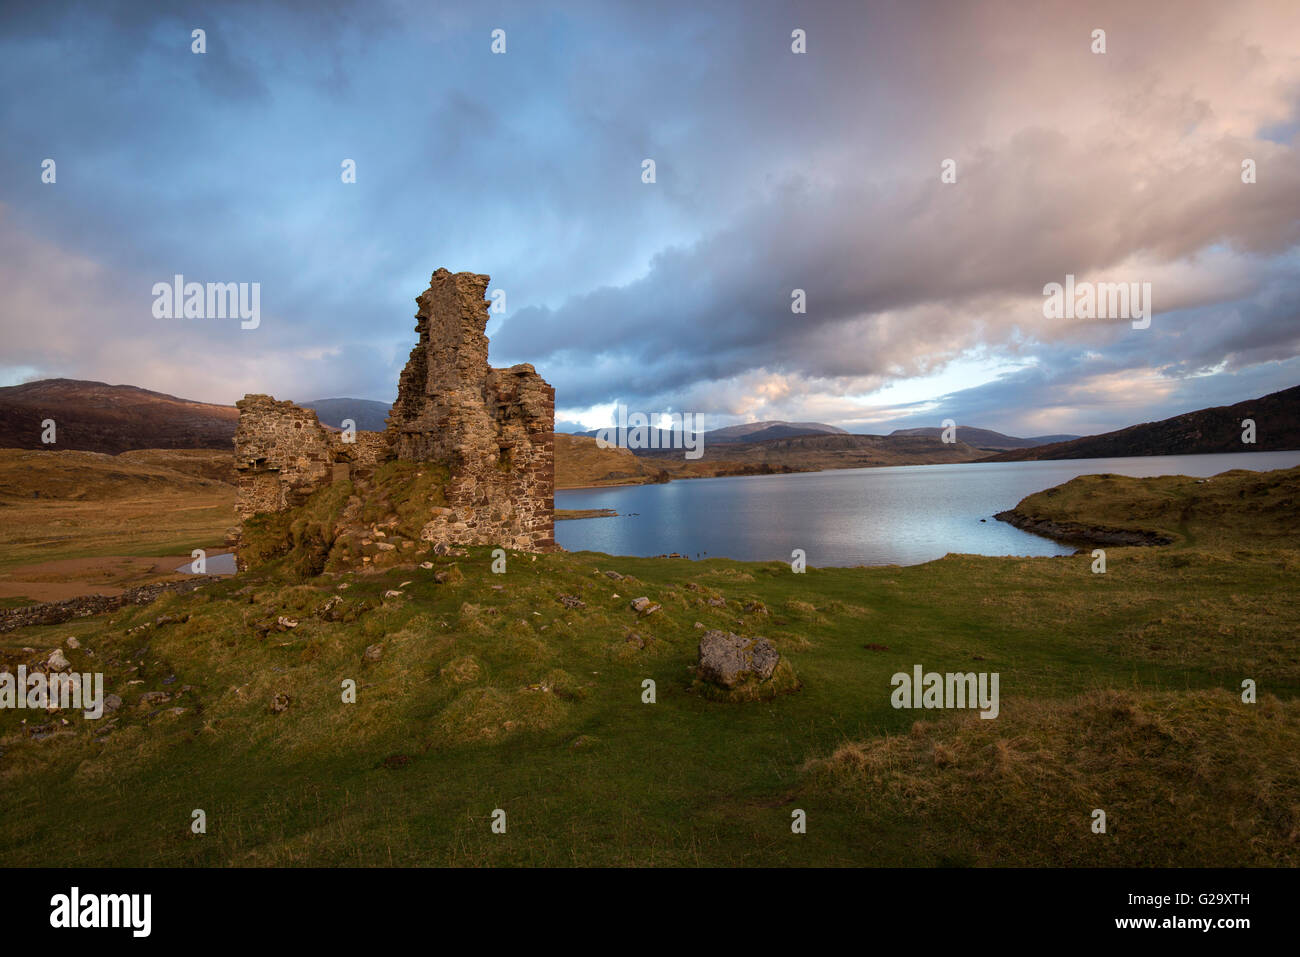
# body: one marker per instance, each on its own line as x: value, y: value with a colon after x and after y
x: 99, y: 417
x: 50, y: 475
x: 1235, y: 508
x: 580, y: 462
x: 1118, y: 691
x: 1194, y: 764
x: 987, y: 438
x: 1205, y: 431
x: 218, y: 465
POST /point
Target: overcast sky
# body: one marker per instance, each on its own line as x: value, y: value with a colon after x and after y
x: 774, y: 171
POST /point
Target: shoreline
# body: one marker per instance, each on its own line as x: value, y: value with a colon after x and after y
x: 577, y: 514
x: 989, y: 461
x: 1078, y: 536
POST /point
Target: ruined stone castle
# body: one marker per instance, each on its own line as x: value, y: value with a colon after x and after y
x: 492, y: 428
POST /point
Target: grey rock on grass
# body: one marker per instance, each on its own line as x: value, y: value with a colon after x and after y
x: 727, y: 659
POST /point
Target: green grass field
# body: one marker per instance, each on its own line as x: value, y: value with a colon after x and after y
x: 1119, y: 691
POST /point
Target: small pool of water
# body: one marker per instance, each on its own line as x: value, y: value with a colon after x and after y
x: 223, y: 564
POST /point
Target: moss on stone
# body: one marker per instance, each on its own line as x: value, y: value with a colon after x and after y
x: 783, y: 681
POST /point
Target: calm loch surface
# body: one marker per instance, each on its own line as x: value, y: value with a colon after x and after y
x: 883, y: 516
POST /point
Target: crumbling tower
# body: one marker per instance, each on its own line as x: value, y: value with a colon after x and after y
x: 493, y: 427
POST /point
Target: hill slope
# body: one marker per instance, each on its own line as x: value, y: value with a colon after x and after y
x: 745, y: 432
x: 815, y: 452
x: 74, y: 476
x: 1276, y: 417
x: 579, y: 462
x: 988, y: 439
x: 369, y: 415
x: 758, y: 431
x: 1237, y: 508
x: 97, y: 417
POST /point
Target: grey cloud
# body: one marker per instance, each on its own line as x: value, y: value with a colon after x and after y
x: 775, y: 172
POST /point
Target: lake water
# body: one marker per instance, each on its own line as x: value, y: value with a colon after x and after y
x: 881, y: 516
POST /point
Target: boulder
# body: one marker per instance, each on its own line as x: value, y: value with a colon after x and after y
x: 644, y: 606
x: 727, y: 659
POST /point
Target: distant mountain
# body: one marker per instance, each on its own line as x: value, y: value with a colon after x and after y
x: 817, y: 451
x: 1051, y: 439
x: 746, y: 432
x: 97, y: 417
x: 988, y: 439
x: 1277, y: 428
x: 776, y: 429
x: 367, y: 414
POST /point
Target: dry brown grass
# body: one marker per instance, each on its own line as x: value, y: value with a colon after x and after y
x: 90, y: 506
x: 1023, y: 787
x: 579, y: 462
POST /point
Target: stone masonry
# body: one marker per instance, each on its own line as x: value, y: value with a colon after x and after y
x: 492, y: 428
x: 283, y: 454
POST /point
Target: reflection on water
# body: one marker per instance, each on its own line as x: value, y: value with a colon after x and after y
x: 903, y: 515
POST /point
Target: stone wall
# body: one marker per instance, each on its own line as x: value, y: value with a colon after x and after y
x: 83, y: 606
x: 493, y: 428
x: 359, y: 457
x: 283, y: 454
